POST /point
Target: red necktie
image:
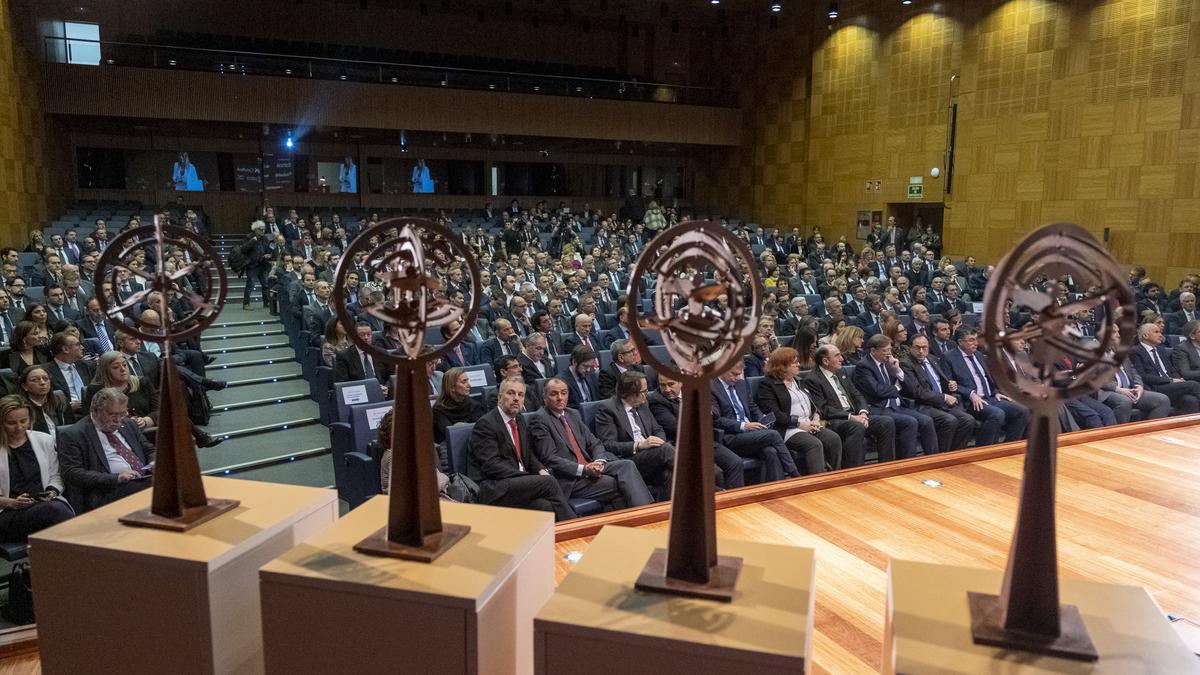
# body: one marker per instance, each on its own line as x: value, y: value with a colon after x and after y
x: 124, y: 451
x: 459, y: 354
x: 571, y: 439
x: 516, y: 438
x: 587, y: 343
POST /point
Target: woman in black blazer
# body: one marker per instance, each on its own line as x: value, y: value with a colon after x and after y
x: 49, y: 408
x: 815, y: 447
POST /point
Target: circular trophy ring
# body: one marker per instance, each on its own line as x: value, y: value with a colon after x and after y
x: 701, y: 340
x: 407, y: 252
x: 205, y: 269
x: 1054, y: 250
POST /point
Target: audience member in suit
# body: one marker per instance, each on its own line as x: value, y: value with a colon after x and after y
x: 625, y: 357
x: 582, y: 334
x: 31, y: 485
x: 878, y: 378
x: 534, y: 365
x: 504, y: 342
x: 628, y: 430
x: 503, y: 458
x: 1153, y: 362
x: 506, y: 367
x: 1178, y: 320
x: 780, y: 393
x: 952, y: 301
x: 454, y: 404
x: 738, y: 417
x: 941, y: 341
x: 6, y: 320
x: 1151, y: 300
x: 463, y: 354
x: 314, y: 315
x: 96, y: 326
x: 50, y: 409
x: 1186, y: 355
x: 104, y: 456
x: 664, y: 405
x: 843, y: 408
x: 870, y: 317
x: 999, y: 417
x: 1125, y: 392
x: 933, y: 394
x: 580, y: 376
x: 754, y: 364
x: 352, y: 364
x: 578, y: 459
x: 68, y: 372
x: 60, y: 313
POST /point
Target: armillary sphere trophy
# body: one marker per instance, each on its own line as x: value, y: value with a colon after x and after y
x: 706, y: 306
x: 1027, y: 614
x: 413, y: 257
x: 189, y: 270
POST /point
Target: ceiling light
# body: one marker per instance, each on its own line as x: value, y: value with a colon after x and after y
x: 776, y: 6
x: 287, y: 71
x: 833, y: 10
x: 715, y: 2
x: 906, y: 2
x: 171, y: 62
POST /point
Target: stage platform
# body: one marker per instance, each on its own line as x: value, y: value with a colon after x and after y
x: 1128, y: 510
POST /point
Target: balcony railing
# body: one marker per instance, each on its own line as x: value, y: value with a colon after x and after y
x: 105, y: 53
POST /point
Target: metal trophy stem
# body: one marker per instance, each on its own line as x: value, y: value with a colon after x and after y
x: 414, y: 530
x: 690, y: 565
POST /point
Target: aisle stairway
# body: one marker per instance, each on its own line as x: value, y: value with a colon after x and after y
x: 271, y: 425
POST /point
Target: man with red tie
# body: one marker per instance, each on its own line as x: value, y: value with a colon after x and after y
x: 104, y: 457
x: 582, y: 335
x: 503, y: 458
x: 585, y: 469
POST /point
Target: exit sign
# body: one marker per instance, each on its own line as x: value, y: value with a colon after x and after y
x: 916, y: 191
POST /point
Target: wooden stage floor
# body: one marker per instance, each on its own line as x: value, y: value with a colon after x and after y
x: 1128, y: 512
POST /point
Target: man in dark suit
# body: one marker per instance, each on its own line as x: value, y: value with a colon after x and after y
x: 582, y: 334
x: 59, y: 314
x: 503, y: 458
x: 104, y: 456
x: 953, y: 301
x: 877, y: 378
x: 1187, y: 313
x: 625, y: 357
x: 503, y: 342
x: 141, y: 362
x: 68, y: 372
x: 871, y: 317
x: 353, y: 364
x: 839, y: 403
x: 463, y: 354
x: 941, y: 341
x: 738, y: 417
x: 626, y: 427
x: 580, y: 376
x: 755, y: 363
x: 1153, y: 363
x: 533, y: 360
x: 1000, y: 418
x: 933, y: 393
x: 315, y: 315
x: 1126, y: 392
x: 1186, y: 355
x: 96, y: 326
x: 664, y: 405
x: 580, y: 462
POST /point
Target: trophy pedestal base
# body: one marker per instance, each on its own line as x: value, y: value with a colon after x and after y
x: 722, y: 578
x: 435, y: 544
x: 191, y: 517
x: 1072, y: 642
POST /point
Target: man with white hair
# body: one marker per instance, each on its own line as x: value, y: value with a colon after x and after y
x: 1187, y: 313
x: 1153, y: 362
x: 105, y: 456
x: 258, y: 258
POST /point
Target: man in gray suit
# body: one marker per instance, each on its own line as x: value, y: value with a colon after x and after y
x: 1126, y: 392
x: 1186, y: 355
x: 628, y: 429
x: 580, y: 462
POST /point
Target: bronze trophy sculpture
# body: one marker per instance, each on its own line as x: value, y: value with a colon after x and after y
x: 1027, y: 614
x: 413, y: 257
x: 178, y: 501
x: 695, y: 265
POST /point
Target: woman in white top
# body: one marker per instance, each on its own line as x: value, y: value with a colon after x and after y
x: 30, y: 484
x: 184, y: 175
x: 347, y: 176
x: 815, y: 447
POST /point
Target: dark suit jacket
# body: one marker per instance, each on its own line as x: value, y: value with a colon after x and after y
x: 755, y: 365
x: 147, y: 365
x: 916, y: 383
x: 825, y: 398
x: 872, y: 385
x: 773, y: 397
x: 493, y: 459
x: 610, y: 377
x: 575, y: 400
x: 490, y: 351
x: 1186, y: 360
x: 59, y: 383
x: 1146, y: 368
x: 348, y: 367
x: 450, y: 360
x: 726, y: 419
x: 530, y: 372
x: 612, y: 426
x: 955, y: 367
x: 88, y: 329
x: 84, y: 466
x: 666, y: 413
x: 1177, y: 320
x: 315, y: 318
x: 554, y: 449
x: 572, y: 340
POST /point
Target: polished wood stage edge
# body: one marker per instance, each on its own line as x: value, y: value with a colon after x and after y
x: 1128, y: 510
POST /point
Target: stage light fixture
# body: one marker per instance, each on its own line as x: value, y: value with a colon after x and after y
x: 906, y: 2
x: 715, y: 2
x: 833, y: 10
x: 289, y: 143
x: 777, y: 6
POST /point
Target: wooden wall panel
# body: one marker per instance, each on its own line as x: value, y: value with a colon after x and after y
x: 1085, y: 110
